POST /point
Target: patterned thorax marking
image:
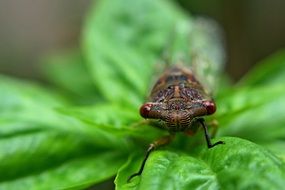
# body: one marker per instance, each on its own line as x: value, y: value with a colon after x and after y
x: 176, y: 99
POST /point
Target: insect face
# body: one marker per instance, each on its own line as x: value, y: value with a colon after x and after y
x: 176, y: 114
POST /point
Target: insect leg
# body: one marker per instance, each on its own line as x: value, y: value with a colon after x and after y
x: 160, y: 142
x: 207, y: 136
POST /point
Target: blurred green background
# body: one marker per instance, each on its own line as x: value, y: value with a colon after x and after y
x: 30, y: 29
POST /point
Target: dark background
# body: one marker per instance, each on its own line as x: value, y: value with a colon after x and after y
x: 30, y: 29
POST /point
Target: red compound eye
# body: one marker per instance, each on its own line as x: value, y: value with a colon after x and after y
x: 210, y: 106
x: 145, y: 109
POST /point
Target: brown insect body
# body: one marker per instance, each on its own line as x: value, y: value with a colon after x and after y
x: 176, y: 99
x: 177, y: 102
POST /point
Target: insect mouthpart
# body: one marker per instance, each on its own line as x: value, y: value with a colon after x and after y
x: 178, y: 120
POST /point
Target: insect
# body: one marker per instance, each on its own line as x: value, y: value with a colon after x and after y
x: 177, y: 103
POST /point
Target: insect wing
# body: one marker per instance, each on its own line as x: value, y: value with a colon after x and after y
x: 207, y: 53
x: 197, y: 45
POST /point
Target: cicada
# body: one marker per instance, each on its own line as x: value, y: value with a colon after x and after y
x: 179, y: 101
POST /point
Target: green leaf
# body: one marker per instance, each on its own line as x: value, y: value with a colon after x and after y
x: 254, y: 109
x: 30, y: 107
x: 77, y: 173
x: 104, y: 114
x: 122, y: 45
x: 239, y: 164
x: 268, y: 72
x: 114, y: 119
x: 168, y: 170
x: 24, y: 100
x: 40, y: 147
x: 255, y: 113
x: 32, y: 149
x: 27, y: 93
x: 68, y: 71
x: 235, y: 101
